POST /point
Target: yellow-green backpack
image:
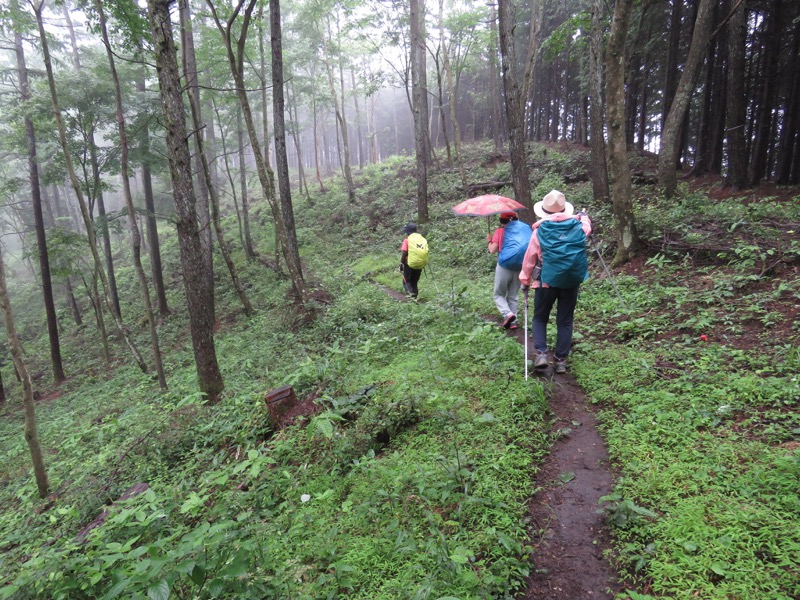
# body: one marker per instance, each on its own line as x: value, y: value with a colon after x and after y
x: 417, y: 251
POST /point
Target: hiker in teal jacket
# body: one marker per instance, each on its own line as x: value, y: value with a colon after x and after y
x: 555, y: 281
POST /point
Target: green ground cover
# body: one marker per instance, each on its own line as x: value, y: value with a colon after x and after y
x: 413, y: 478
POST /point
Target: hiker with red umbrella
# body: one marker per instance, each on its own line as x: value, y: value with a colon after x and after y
x: 509, y: 241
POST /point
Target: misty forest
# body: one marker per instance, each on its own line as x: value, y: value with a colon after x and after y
x: 214, y: 384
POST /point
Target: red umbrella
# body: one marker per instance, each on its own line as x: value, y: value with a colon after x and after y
x: 483, y: 206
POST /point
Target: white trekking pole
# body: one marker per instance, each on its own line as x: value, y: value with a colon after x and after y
x: 525, y: 333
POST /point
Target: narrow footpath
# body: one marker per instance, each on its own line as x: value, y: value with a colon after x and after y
x: 567, y: 531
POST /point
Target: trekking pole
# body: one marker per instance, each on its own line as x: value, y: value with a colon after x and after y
x: 608, y: 273
x: 430, y: 274
x: 525, y: 333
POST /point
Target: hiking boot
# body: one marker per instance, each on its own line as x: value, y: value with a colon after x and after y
x: 561, y: 365
x: 540, y: 362
x: 510, y: 318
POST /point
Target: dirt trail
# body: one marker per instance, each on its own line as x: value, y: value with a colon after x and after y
x: 568, y: 533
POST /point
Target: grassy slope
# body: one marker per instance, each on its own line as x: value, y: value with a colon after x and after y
x: 698, y: 432
x: 438, y: 509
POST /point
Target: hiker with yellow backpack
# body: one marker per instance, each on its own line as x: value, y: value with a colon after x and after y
x: 413, y: 258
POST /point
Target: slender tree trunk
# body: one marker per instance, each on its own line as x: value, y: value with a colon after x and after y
x: 76, y: 186
x: 451, y: 94
x: 229, y: 169
x: 262, y: 71
x: 15, y: 347
x: 766, y: 103
x: 285, y: 195
x: 156, y: 270
x: 293, y: 114
x: 359, y: 133
x: 198, y: 294
x: 673, y: 50
x: 597, y: 141
x: 315, y: 127
x: 72, y: 303
x: 136, y: 249
x: 669, y: 154
x: 790, y: 133
x: 103, y: 218
x: 224, y: 247
x: 419, y: 107
x: 618, y: 166
x: 494, y: 83
x: 38, y: 219
x: 736, y: 113
x: 249, y: 249
x: 341, y: 122
x: 442, y: 112
x: 284, y: 224
x: 514, y: 112
x: 193, y: 90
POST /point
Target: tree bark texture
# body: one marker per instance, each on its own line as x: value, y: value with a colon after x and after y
x: 76, y: 186
x: 514, y: 112
x: 736, y: 113
x: 618, y: 167
x: 198, y: 293
x: 136, y: 238
x: 15, y: 347
x: 193, y: 89
x: 38, y: 219
x: 419, y: 108
x: 671, y: 135
x: 154, y: 246
x: 597, y: 140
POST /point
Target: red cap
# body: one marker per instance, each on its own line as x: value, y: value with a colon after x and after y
x: 508, y: 215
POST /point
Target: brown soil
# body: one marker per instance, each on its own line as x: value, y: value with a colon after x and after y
x: 567, y: 531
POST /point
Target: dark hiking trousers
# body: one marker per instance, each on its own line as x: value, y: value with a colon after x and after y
x: 543, y: 301
x: 410, y: 279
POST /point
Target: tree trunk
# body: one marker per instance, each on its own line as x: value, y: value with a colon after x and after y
x: 736, y: 110
x: 15, y: 347
x: 766, y: 103
x: 76, y: 186
x: 103, y: 218
x: 418, y: 108
x: 38, y: 219
x: 224, y: 247
x: 156, y: 270
x: 673, y: 59
x: 671, y: 135
x: 249, y: 249
x: 193, y: 89
x: 73, y: 305
x: 452, y: 95
x: 494, y: 69
x: 284, y: 224
x: 597, y: 141
x: 618, y: 167
x: 282, y: 164
x: 198, y: 294
x: 301, y: 172
x: 514, y: 113
x: 359, y: 134
x: 790, y: 133
x: 136, y: 250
